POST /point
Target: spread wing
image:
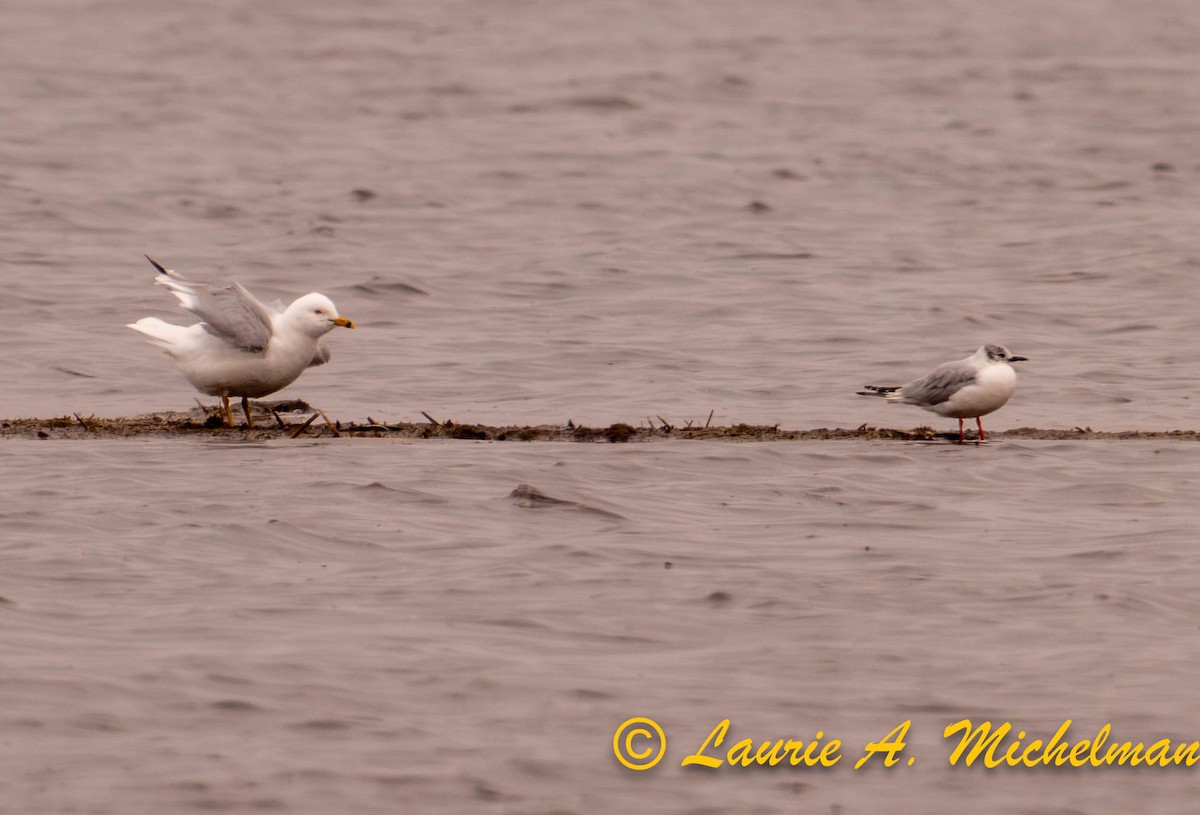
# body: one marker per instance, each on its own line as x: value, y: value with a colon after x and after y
x: 321, y: 357
x: 228, y: 310
x: 942, y: 382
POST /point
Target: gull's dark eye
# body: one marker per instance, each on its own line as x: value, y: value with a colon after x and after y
x: 319, y: 311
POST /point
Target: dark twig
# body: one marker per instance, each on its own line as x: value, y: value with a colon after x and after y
x: 277, y: 419
x: 710, y: 415
x: 304, y: 426
x: 432, y: 420
x: 82, y: 422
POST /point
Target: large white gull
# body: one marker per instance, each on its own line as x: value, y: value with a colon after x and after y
x: 241, y: 347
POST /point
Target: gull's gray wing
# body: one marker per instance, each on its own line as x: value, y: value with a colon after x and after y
x: 228, y: 310
x: 232, y: 313
x: 942, y: 382
x: 321, y: 357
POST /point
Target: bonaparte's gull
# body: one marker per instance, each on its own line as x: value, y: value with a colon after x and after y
x: 966, y: 389
x: 242, y: 347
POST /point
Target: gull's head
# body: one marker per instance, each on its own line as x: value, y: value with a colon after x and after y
x: 998, y: 353
x: 315, y: 315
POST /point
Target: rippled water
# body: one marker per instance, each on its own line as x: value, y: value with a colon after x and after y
x: 375, y: 625
x: 600, y: 212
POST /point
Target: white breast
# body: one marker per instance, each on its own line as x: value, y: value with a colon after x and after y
x: 993, y: 387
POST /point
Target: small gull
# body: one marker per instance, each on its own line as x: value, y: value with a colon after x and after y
x: 966, y: 389
x: 242, y: 347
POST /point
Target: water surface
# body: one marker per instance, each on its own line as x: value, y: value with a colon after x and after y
x: 599, y: 212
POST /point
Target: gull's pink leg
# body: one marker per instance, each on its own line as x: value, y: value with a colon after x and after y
x: 961, y: 437
x: 979, y: 420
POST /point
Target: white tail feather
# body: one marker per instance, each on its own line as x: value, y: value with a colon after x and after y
x: 165, y: 335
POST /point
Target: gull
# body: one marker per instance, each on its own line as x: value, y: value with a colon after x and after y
x: 241, y: 347
x: 966, y: 389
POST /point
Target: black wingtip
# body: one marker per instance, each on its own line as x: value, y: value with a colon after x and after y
x: 154, y: 263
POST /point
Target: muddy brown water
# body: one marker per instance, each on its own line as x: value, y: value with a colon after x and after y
x: 599, y: 213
